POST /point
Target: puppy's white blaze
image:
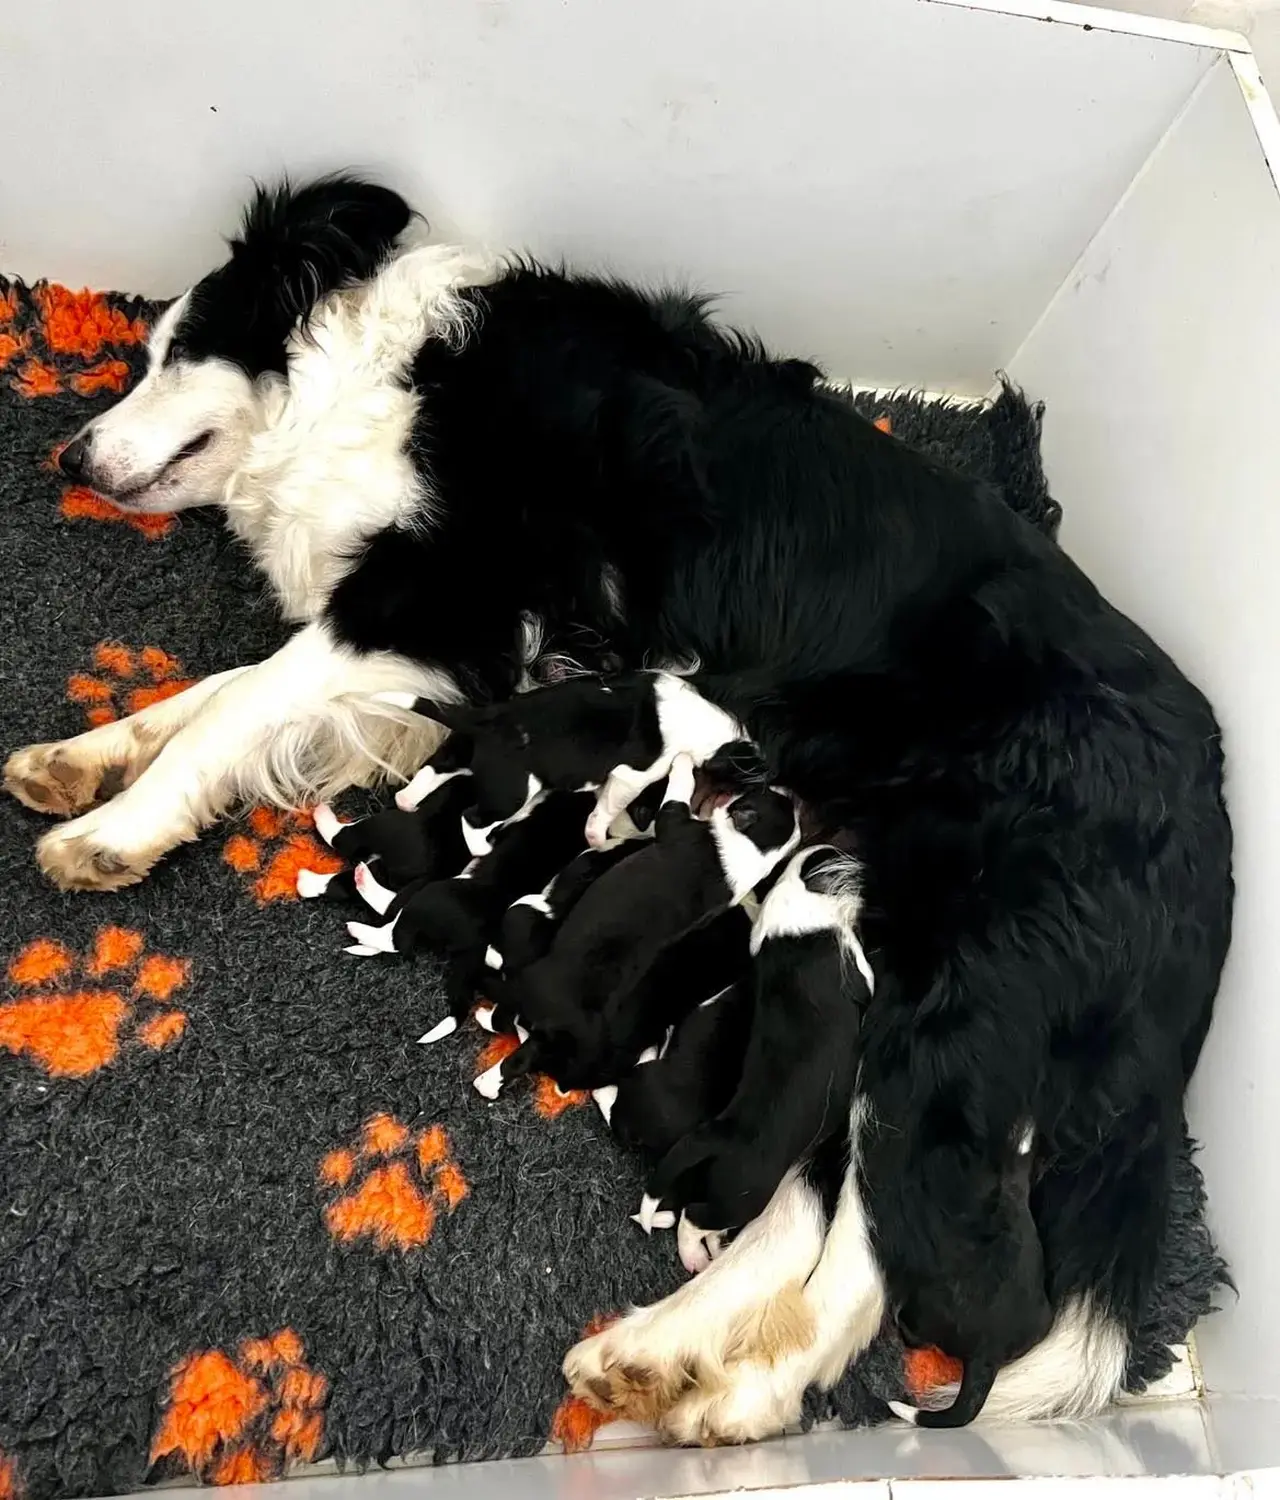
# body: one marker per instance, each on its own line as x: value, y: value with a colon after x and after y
x: 439, y: 1031
x: 484, y: 1017
x: 492, y: 958
x: 901, y: 1409
x: 477, y: 839
x: 694, y: 1256
x: 362, y: 950
x: 648, y: 1210
x: 373, y: 893
x: 377, y: 939
x: 489, y: 1083
x: 605, y: 1099
x: 396, y: 700
x: 650, y: 1054
x: 311, y: 884
x: 743, y: 864
x: 327, y: 822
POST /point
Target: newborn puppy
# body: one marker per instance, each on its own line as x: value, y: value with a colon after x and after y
x: 529, y: 925
x: 426, y: 844
x: 658, y: 1102
x: 983, y: 1300
x: 459, y: 917
x: 579, y: 733
x: 588, y: 1013
x: 809, y: 982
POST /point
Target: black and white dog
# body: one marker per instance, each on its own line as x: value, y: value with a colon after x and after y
x: 440, y: 462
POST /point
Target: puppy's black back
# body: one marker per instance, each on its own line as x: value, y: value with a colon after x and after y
x: 426, y: 844
x: 528, y: 854
x: 661, y: 1101
x: 796, y: 1087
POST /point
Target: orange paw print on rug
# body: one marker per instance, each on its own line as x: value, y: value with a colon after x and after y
x: 74, y: 334
x: 392, y: 1184
x: 81, y: 504
x: 69, y: 1013
x: 125, y: 680
x: 576, y: 1422
x: 243, y: 1420
x: 549, y: 1099
x: 277, y: 846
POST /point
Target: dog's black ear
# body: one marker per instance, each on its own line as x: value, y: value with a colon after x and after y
x: 304, y: 242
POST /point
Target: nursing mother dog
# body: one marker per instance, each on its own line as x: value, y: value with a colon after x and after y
x: 445, y: 464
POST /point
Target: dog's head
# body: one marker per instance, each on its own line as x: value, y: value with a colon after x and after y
x: 178, y: 437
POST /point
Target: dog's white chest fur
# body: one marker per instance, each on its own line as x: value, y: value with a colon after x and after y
x: 330, y: 465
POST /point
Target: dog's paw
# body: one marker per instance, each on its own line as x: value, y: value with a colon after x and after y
x: 754, y: 1401
x: 75, y: 858
x: 57, y: 779
x: 628, y: 1371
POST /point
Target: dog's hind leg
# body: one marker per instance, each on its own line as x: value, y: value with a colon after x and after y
x: 298, y: 727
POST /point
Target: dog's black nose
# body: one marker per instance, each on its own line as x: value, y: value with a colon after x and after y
x: 74, y: 459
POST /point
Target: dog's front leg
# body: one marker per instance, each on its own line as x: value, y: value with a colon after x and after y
x: 298, y: 726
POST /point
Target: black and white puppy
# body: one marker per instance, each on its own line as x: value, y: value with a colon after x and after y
x: 983, y: 1298
x: 619, y: 733
x: 459, y: 917
x: 586, y: 1013
x: 809, y: 983
x: 693, y: 1078
x: 530, y: 924
x: 422, y: 843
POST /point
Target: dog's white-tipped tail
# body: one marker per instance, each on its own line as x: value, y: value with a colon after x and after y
x: 312, y: 884
x: 439, y: 1031
x: 1074, y: 1371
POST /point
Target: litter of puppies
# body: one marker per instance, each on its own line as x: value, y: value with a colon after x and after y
x: 605, y: 864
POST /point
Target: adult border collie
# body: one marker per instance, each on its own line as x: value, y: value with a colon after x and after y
x: 439, y: 460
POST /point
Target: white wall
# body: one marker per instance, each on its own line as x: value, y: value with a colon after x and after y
x: 891, y: 186
x: 1160, y: 366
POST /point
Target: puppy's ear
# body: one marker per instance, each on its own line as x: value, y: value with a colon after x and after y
x: 743, y: 815
x: 300, y: 243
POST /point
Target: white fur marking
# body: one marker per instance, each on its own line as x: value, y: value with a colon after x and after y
x: 440, y: 1030
x: 374, y: 894
x: 379, y: 939
x: 492, y: 958
x: 312, y: 884
x: 605, y: 1099
x: 327, y: 822
x: 489, y: 1083
x: 484, y: 1017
